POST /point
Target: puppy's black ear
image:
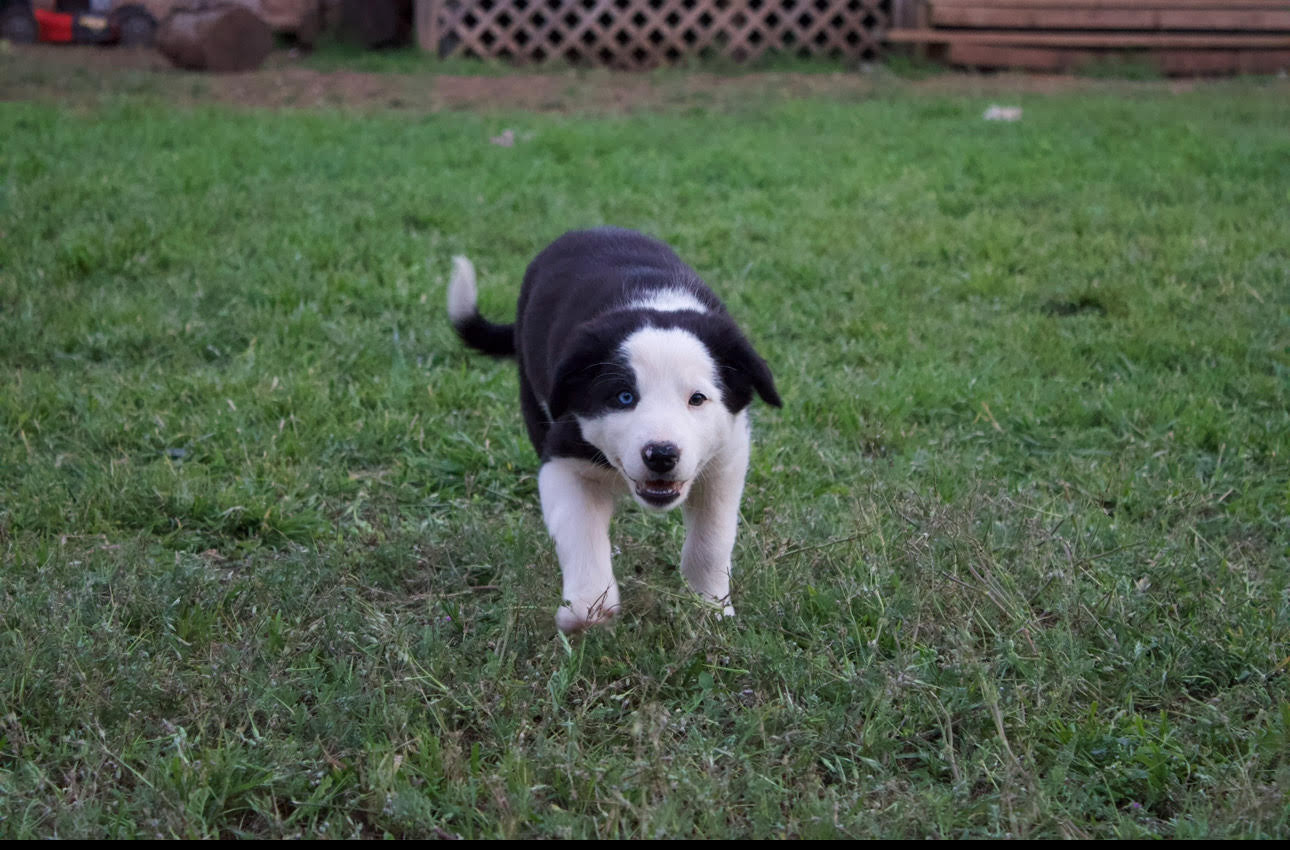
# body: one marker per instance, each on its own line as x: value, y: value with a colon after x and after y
x: 575, y: 374
x: 743, y: 371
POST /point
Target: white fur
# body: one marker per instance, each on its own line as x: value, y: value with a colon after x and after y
x: 462, y: 293
x: 669, y: 301
x: 670, y: 365
x: 711, y: 518
x: 577, y: 503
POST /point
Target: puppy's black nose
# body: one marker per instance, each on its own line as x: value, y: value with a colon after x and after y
x: 660, y: 457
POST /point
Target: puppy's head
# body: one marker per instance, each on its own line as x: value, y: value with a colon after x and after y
x: 660, y: 400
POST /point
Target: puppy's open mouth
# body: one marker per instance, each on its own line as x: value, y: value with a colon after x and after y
x: 659, y: 492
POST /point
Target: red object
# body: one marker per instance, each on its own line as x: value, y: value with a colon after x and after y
x: 54, y: 26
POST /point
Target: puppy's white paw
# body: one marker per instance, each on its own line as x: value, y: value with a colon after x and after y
x: 577, y: 615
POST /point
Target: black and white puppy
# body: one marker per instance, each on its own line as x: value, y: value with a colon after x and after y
x: 633, y: 378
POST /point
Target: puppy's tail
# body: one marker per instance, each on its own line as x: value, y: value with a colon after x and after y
x: 463, y: 311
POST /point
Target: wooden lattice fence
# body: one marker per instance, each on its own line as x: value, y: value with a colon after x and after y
x: 647, y: 33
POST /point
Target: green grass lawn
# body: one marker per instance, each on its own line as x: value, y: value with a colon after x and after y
x: 1013, y: 559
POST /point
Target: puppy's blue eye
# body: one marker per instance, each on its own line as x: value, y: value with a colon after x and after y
x: 697, y: 399
x: 626, y: 399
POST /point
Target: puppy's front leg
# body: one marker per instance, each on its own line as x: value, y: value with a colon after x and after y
x: 712, y: 518
x: 577, y: 508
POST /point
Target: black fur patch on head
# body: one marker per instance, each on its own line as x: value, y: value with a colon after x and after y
x: 740, y: 369
x: 594, y: 373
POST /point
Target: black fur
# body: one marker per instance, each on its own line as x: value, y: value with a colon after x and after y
x: 482, y: 335
x: 571, y: 321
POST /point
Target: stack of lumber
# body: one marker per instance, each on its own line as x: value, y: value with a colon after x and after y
x: 1177, y: 36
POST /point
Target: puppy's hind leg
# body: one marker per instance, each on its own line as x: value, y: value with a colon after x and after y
x: 712, y: 519
x: 577, y: 509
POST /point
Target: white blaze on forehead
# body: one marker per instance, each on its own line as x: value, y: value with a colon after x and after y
x: 669, y: 362
x: 668, y: 301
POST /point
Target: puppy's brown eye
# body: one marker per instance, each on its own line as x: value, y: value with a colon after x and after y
x: 697, y: 399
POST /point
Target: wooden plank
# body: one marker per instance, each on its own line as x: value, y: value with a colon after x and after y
x: 1120, y: 4
x: 1105, y: 18
x: 986, y: 17
x: 904, y: 13
x: 1168, y: 61
x: 427, y: 25
x: 1225, y: 19
x: 1224, y: 61
x: 1085, y: 39
x: 1022, y: 58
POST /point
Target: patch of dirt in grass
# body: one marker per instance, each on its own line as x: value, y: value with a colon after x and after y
x: 44, y: 72
x: 66, y: 73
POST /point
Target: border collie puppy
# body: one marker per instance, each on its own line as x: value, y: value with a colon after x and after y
x: 633, y: 378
